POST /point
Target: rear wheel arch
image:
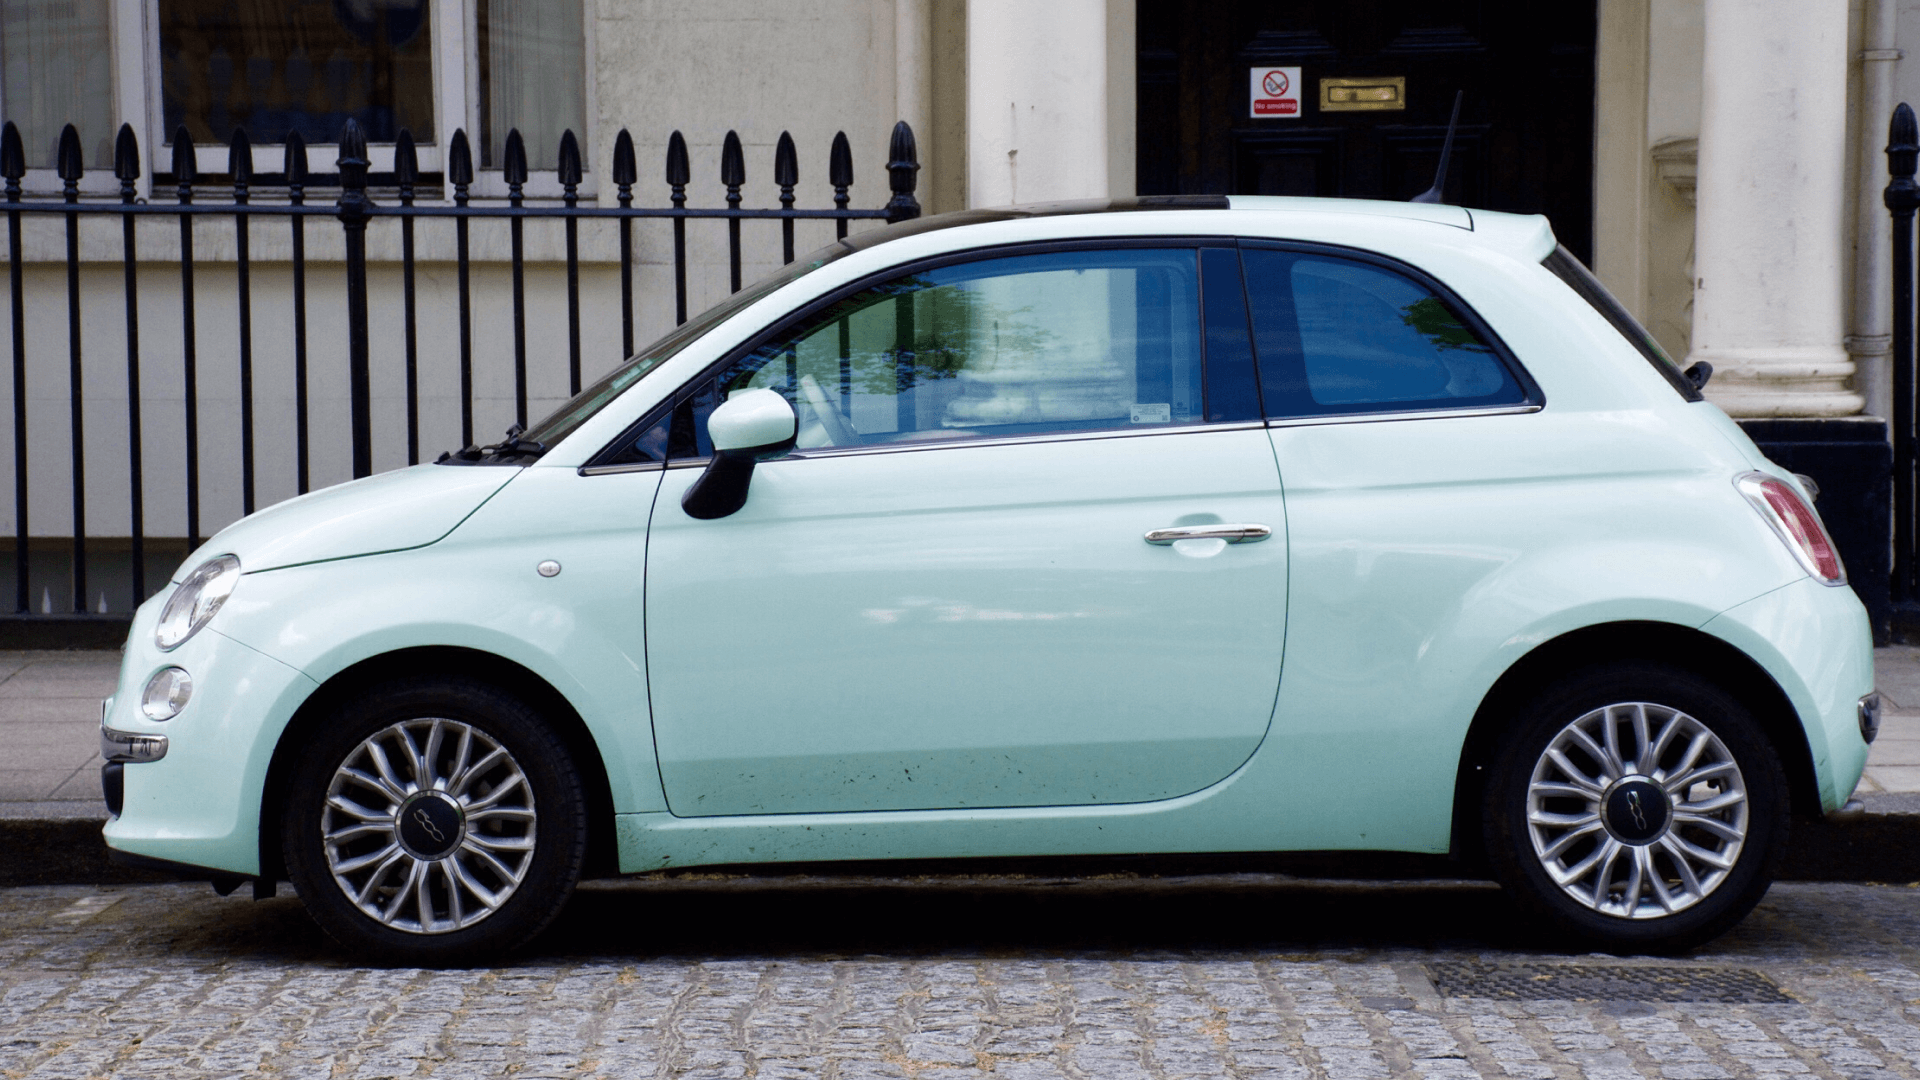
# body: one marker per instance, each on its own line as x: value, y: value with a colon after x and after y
x: 447, y: 661
x: 1692, y: 650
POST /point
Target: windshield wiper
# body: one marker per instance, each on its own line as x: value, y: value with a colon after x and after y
x: 511, y: 448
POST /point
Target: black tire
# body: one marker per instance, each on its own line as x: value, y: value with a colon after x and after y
x: 557, y: 805
x: 1630, y: 813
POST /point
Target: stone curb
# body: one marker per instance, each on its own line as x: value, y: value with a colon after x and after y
x: 1882, y: 845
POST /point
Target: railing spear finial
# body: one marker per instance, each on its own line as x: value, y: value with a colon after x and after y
x: 460, y: 166
x: 840, y: 175
x: 13, y: 160
x: 186, y: 164
x: 126, y: 162
x: 406, y: 166
x: 570, y: 172
x: 626, y: 171
x: 240, y: 164
x: 514, y: 166
x: 67, y: 163
x: 903, y: 162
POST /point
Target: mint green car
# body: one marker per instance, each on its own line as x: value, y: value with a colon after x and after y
x: 1151, y: 526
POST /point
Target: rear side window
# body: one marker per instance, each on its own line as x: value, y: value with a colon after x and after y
x: 1581, y: 280
x: 1336, y: 335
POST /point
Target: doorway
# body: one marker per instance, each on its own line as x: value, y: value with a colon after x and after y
x: 1375, y: 85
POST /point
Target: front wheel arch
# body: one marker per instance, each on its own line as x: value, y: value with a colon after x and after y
x: 1700, y: 653
x: 602, y: 844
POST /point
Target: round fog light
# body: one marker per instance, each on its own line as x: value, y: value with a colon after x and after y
x: 166, y: 694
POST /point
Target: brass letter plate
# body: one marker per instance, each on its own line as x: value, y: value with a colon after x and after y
x: 1363, y: 95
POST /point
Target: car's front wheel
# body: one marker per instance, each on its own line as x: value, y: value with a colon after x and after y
x: 1637, y: 807
x: 434, y: 821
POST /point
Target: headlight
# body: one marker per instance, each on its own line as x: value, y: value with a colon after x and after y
x: 195, y: 601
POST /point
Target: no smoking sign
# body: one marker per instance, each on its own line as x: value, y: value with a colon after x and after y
x: 1275, y: 91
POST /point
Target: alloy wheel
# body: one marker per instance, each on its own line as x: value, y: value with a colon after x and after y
x: 1637, y: 810
x: 429, y: 826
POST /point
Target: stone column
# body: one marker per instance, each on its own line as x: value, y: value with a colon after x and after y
x: 1770, y: 231
x: 1036, y: 101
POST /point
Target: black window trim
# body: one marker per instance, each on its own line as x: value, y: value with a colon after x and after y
x: 597, y: 465
x: 1533, y: 398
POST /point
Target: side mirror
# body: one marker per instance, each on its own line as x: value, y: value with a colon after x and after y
x: 750, y: 426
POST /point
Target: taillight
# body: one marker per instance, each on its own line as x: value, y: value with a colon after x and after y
x: 1795, y: 523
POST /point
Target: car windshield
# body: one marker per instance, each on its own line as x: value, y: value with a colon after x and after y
x: 567, y: 418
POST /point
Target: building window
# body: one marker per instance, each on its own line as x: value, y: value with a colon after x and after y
x: 56, y: 68
x: 531, y: 59
x: 277, y: 66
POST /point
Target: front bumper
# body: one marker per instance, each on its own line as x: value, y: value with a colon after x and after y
x: 196, y: 799
x: 1817, y: 644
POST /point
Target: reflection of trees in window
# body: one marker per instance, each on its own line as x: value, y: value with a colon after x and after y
x: 950, y: 328
x: 1441, y: 327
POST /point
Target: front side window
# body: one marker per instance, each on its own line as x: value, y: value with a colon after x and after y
x: 1336, y: 335
x: 1024, y: 345
x: 298, y: 65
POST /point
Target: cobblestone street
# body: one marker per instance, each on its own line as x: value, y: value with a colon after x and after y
x: 1241, y: 976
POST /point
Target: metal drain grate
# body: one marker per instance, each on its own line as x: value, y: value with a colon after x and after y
x: 1604, y: 982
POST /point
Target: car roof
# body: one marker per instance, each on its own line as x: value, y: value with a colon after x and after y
x: 1523, y: 232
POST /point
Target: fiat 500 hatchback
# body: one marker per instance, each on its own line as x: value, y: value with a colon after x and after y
x: 1138, y: 527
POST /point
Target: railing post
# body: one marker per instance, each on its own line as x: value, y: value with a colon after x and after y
x: 1902, y: 197
x: 625, y: 171
x: 733, y: 173
x: 186, y: 169
x: 296, y: 169
x: 679, y: 175
x: 70, y: 168
x: 13, y: 166
x: 126, y: 168
x: 514, y: 168
x: 786, y: 173
x: 406, y: 173
x: 570, y: 176
x: 903, y: 162
x: 354, y: 210
x: 460, y: 174
x: 840, y: 175
x: 240, y: 167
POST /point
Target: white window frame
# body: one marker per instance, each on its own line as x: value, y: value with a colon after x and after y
x: 134, y: 33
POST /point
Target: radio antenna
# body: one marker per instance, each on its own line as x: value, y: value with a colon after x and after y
x: 1437, y: 193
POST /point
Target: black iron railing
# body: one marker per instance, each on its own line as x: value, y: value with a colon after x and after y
x: 1902, y: 197
x: 352, y: 210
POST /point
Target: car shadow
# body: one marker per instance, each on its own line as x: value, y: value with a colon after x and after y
x: 815, y: 918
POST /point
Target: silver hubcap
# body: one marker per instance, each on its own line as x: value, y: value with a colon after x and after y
x: 1637, y: 810
x: 429, y: 826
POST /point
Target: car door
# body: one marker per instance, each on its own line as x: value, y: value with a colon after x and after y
x: 946, y: 596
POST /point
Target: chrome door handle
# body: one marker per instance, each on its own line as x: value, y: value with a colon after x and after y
x: 1232, y: 534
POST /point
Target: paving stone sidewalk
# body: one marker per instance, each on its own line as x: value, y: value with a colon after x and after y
x: 50, y: 716
x: 1016, y: 982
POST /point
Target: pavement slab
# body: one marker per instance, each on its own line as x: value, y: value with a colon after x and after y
x: 686, y: 977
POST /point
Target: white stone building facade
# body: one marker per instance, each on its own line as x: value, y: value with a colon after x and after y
x: 1732, y: 168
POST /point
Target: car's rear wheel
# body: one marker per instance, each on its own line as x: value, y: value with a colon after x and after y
x: 1637, y: 807
x: 434, y: 821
